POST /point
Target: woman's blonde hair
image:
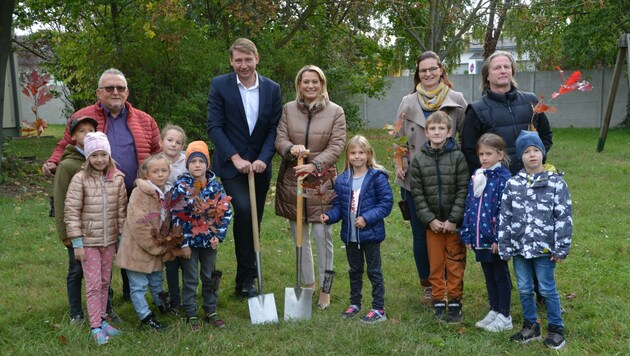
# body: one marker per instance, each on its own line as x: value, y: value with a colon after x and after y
x: 495, y: 142
x: 144, y: 167
x: 364, y: 144
x: 177, y: 128
x: 322, y: 78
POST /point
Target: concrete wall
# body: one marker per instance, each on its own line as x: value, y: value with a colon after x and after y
x: 575, y: 109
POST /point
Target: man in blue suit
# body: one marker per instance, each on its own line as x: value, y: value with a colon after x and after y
x: 243, y: 112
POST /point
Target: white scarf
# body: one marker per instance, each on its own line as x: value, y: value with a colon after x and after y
x: 161, y: 194
x: 479, y: 179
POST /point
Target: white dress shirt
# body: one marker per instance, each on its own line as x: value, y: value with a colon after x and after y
x: 250, y: 97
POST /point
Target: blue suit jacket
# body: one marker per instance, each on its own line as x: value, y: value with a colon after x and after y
x: 227, y: 123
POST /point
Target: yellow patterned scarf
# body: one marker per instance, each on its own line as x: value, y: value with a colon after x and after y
x: 431, y: 100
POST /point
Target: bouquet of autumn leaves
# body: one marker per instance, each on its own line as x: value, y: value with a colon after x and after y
x: 317, y: 186
x: 211, y: 212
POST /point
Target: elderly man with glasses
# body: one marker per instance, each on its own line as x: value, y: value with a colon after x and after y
x: 132, y: 133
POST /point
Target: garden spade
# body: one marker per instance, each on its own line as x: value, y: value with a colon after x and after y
x: 262, y: 308
x: 298, y: 300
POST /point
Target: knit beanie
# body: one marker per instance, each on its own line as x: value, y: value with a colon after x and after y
x: 197, y: 149
x: 96, y: 141
x: 526, y: 139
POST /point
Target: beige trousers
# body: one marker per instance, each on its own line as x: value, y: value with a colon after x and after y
x: 324, y: 246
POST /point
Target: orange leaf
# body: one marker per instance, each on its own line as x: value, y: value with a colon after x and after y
x: 574, y: 78
x: 541, y: 108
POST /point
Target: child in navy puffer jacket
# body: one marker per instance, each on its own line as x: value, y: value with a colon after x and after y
x: 479, y: 229
x: 363, y: 200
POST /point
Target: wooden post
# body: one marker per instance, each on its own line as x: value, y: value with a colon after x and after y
x: 621, y: 56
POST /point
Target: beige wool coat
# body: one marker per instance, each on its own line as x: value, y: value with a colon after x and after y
x: 139, y: 250
x: 414, y: 124
x: 323, y: 132
x: 95, y: 208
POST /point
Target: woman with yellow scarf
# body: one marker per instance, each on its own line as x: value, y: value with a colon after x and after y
x: 432, y: 92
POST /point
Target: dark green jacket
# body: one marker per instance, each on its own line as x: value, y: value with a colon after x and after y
x: 439, y: 183
x: 70, y: 164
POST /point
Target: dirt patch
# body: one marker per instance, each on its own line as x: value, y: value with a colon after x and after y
x: 27, y: 186
x: 22, y: 178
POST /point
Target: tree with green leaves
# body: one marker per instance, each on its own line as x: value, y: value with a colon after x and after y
x: 169, y: 49
x: 572, y: 33
x: 444, y: 27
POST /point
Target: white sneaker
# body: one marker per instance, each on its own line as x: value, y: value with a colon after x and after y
x: 487, y: 320
x: 500, y: 323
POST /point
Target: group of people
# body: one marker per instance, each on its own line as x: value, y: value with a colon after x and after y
x: 495, y: 195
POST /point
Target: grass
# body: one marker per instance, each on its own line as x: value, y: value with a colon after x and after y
x: 593, y: 283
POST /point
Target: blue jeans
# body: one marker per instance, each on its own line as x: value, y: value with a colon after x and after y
x: 543, y: 268
x: 420, y: 251
x: 138, y: 283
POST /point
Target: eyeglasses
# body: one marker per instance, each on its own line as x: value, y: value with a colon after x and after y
x: 426, y: 70
x: 112, y: 88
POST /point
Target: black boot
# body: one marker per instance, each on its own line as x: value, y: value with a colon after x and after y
x: 168, y: 306
x: 151, y: 323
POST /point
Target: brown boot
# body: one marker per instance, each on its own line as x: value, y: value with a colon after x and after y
x: 426, y: 298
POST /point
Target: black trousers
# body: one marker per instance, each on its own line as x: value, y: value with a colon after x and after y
x: 238, y: 189
x: 370, y: 254
x: 498, y: 284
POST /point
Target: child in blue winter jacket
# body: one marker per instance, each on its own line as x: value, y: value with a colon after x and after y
x: 202, y: 213
x: 363, y: 200
x: 479, y: 229
x: 535, y: 229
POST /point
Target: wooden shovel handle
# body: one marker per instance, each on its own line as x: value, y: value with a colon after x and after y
x: 300, y: 204
x: 252, y: 203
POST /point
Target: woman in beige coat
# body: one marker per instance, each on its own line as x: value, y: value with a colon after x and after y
x: 310, y: 122
x: 432, y: 92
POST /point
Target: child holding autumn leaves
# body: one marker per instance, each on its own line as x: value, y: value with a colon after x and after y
x: 202, y: 213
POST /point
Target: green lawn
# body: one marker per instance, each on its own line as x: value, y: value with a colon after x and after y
x: 594, y: 282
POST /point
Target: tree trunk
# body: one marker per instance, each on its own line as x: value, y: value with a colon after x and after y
x: 493, y: 34
x: 6, y: 23
x: 117, y: 37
